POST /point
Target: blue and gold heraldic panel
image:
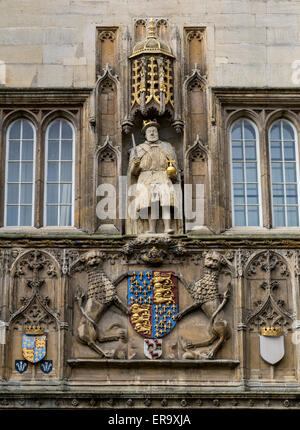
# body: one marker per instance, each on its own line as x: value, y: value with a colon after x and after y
x: 33, y: 347
x: 153, y: 300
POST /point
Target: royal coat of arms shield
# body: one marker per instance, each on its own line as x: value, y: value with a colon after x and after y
x: 34, y: 344
x: 153, y: 300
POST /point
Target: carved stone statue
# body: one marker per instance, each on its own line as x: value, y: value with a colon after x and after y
x: 206, y: 297
x: 153, y: 168
x: 101, y: 295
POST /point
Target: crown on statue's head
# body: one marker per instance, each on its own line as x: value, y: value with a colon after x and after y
x: 149, y: 123
x: 271, y: 331
x: 34, y: 329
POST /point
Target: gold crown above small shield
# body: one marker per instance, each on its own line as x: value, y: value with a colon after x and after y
x: 148, y: 123
x: 271, y: 331
x: 34, y: 329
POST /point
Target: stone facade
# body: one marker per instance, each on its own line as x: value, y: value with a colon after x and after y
x: 157, y: 320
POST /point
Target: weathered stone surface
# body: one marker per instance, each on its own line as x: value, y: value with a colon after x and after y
x: 53, y: 28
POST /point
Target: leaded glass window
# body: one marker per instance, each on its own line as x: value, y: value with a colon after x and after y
x: 59, y: 192
x: 284, y: 174
x: 20, y: 166
x: 245, y: 174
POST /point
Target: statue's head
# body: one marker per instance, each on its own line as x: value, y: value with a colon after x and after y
x: 150, y: 129
x: 93, y: 258
x: 214, y: 260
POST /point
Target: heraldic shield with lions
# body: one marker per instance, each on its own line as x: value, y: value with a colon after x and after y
x: 153, y: 300
x: 34, y: 344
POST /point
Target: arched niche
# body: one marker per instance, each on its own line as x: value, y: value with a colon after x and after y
x: 196, y: 105
x: 269, y: 303
x: 35, y: 299
x: 197, y: 178
x: 107, y: 109
x: 107, y: 159
x: 140, y: 30
x: 162, y: 29
x: 168, y: 134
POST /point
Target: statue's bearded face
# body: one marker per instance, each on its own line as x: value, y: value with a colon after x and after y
x: 152, y: 134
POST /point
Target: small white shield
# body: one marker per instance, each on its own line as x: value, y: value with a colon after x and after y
x: 271, y: 348
x: 153, y: 348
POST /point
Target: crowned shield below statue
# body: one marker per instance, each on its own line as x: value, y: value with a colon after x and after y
x: 153, y: 300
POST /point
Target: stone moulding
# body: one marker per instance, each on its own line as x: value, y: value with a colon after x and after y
x: 44, y: 96
x: 180, y: 364
x: 83, y: 240
x: 235, y: 399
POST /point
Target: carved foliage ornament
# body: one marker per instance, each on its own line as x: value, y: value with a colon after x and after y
x: 35, y: 310
x: 35, y: 261
x: 195, y: 34
x: 107, y: 35
x: 267, y: 262
x: 270, y: 311
x: 153, y: 251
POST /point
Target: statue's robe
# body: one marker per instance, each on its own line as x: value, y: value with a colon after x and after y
x: 152, y: 184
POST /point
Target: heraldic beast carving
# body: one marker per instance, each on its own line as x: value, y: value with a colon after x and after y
x: 205, y: 293
x: 100, y: 296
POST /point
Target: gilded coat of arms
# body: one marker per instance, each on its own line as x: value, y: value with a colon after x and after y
x: 153, y: 300
x: 34, y: 344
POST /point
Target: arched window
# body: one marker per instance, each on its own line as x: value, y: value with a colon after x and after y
x: 20, y: 167
x: 59, y: 174
x: 284, y: 174
x: 245, y: 174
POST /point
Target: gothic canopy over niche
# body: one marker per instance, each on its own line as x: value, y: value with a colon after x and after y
x: 152, y: 74
x: 269, y: 295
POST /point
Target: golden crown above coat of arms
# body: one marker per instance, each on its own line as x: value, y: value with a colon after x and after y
x: 271, y: 331
x: 33, y: 329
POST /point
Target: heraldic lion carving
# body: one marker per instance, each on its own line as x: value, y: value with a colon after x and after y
x: 206, y: 297
x: 101, y: 294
